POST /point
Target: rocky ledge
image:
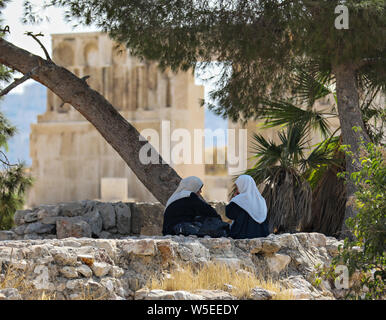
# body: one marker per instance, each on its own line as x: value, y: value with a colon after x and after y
x: 82, y: 268
x: 90, y: 218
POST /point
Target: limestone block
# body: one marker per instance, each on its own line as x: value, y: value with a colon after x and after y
x: 38, y: 227
x: 94, y: 289
x: 123, y: 214
x: 255, y: 246
x: 70, y: 243
x: 145, y: 294
x: 107, y: 212
x: 143, y: 247
x: 49, y: 220
x: 100, y: 269
x: 299, y: 287
x: 69, y: 272
x: 32, y: 236
x: 71, y: 209
x: 288, y: 240
x: 147, y: 218
x: 47, y: 211
x: 19, y: 215
x: 108, y: 284
x: 312, y: 239
x: 42, y: 280
x: 107, y: 246
x: 90, y: 205
x: 193, y: 251
x: 75, y: 284
x: 7, y: 235
x: 277, y: 262
x: 116, y: 272
x: 113, y: 189
x: 31, y: 217
x: 64, y: 257
x: 106, y: 235
x: 48, y: 214
x: 94, y: 219
x: 261, y: 294
x: 19, y: 230
x: 217, y: 244
x: 269, y: 246
x: 299, y: 294
x: 72, y: 227
x: 84, y: 270
x: 166, y: 250
x: 214, y: 294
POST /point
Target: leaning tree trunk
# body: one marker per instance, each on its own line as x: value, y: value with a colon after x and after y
x: 349, y: 116
x: 160, y: 179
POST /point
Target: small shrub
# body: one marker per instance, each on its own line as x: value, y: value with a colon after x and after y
x: 364, y: 255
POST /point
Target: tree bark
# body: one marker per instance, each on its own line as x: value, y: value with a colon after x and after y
x: 349, y: 116
x: 160, y: 179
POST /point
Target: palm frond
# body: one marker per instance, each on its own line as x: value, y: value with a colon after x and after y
x: 323, y: 154
x: 311, y: 85
x: 283, y: 113
x: 268, y: 152
x: 372, y: 76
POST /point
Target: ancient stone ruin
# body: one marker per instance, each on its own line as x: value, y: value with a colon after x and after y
x: 80, y: 268
x: 96, y: 250
x: 90, y: 219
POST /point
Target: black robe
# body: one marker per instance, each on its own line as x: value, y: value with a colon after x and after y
x: 189, y: 209
x: 244, y: 227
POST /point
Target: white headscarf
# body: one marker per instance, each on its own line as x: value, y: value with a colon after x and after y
x: 250, y: 198
x: 185, y: 188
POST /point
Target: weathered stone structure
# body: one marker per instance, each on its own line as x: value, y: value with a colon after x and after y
x: 69, y: 157
x: 84, y: 268
x: 106, y: 220
x: 53, y: 250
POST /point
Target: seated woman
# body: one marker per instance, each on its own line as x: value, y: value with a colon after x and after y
x: 186, y: 211
x: 248, y: 211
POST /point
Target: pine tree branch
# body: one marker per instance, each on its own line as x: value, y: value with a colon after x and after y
x: 17, y: 82
x: 6, y: 161
x: 35, y: 36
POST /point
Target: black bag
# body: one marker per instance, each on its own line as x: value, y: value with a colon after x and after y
x: 214, y: 227
x: 187, y: 228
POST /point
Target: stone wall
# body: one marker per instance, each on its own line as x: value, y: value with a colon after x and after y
x: 85, y: 268
x: 91, y: 219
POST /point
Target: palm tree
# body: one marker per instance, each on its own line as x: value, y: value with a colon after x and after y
x: 302, y: 190
x: 283, y: 167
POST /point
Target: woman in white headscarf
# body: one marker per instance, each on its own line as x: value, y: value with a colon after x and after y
x: 186, y: 210
x: 248, y: 210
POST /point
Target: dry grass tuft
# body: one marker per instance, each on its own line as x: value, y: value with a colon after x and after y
x: 14, y: 278
x: 215, y: 276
